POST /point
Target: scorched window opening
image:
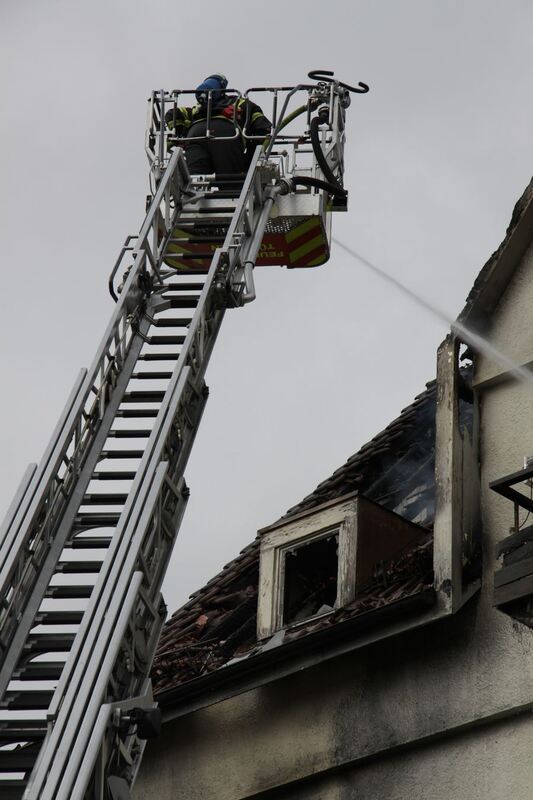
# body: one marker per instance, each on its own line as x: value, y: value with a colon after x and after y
x: 310, y: 578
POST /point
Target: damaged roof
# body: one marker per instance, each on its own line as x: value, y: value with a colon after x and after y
x: 220, y: 629
x: 378, y: 468
x: 217, y: 626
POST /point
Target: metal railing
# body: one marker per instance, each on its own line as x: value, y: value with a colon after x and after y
x: 288, y: 108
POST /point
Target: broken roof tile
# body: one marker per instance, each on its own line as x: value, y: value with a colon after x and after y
x: 218, y: 623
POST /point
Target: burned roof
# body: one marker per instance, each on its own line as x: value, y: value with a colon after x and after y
x: 217, y: 627
x: 220, y: 629
x: 379, y: 469
x: 395, y: 469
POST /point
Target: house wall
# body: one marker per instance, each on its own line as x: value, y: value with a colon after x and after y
x: 440, y: 712
x: 486, y: 763
x: 506, y: 404
x: 509, y: 328
x: 420, y: 691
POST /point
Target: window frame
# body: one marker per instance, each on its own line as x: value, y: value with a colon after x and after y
x: 281, y: 557
x: 338, y: 517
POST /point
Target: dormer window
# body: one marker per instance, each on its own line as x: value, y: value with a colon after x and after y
x: 314, y: 562
x: 310, y: 577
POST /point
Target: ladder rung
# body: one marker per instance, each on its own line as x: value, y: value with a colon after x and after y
x: 198, y: 240
x: 189, y: 287
x: 190, y: 256
x: 78, y: 567
x: 115, y: 475
x: 26, y: 701
x: 177, y: 302
x: 122, y: 453
x: 180, y: 301
x: 13, y: 789
x: 157, y: 357
x: 223, y: 179
x: 89, y: 542
x: 95, y: 519
x: 231, y: 178
x: 158, y: 340
x: 144, y: 396
x: 107, y: 499
x: 27, y: 731
x: 58, y: 617
x: 81, y: 592
x: 17, y: 760
x: 220, y: 210
x: 196, y: 227
x: 151, y: 376
x: 182, y: 272
x: 138, y: 433
x: 38, y: 643
x: 140, y: 413
x: 39, y: 671
x: 228, y: 194
x: 166, y: 322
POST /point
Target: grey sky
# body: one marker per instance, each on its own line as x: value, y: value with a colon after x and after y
x: 437, y: 154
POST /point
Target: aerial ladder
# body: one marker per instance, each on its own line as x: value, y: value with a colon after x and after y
x: 86, y: 542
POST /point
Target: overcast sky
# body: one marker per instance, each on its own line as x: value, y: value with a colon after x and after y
x: 437, y: 154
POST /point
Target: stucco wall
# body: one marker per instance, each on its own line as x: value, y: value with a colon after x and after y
x: 455, y: 697
x: 491, y: 763
x: 506, y: 407
x: 509, y: 328
x: 403, y: 691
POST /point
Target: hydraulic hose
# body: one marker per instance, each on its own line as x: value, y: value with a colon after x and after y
x: 334, y: 189
x: 325, y: 75
x: 331, y: 184
x: 321, y: 158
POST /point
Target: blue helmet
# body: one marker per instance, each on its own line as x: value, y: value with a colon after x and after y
x: 216, y: 84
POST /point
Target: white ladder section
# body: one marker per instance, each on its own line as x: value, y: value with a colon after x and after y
x: 86, y: 543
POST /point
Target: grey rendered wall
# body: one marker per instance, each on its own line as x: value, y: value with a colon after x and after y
x: 455, y: 697
x: 507, y: 406
x: 430, y: 683
x: 493, y: 762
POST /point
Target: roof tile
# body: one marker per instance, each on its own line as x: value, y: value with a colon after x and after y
x: 218, y: 623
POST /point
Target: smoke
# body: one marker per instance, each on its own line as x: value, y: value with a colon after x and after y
x: 477, y: 342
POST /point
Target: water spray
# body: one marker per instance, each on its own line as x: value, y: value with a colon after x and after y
x: 477, y: 342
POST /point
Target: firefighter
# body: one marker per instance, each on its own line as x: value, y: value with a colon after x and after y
x: 229, y: 116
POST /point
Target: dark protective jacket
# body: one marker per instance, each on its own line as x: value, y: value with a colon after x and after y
x: 249, y: 116
x: 225, y: 151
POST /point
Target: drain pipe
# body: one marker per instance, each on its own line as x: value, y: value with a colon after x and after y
x: 271, y: 192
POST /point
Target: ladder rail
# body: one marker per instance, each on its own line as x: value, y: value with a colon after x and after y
x: 20, y: 502
x: 194, y: 351
x: 116, y: 624
x: 33, y: 597
x: 76, y: 702
x: 40, y: 475
x: 27, y: 541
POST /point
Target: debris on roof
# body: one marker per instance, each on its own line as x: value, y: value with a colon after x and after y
x: 191, y: 647
x: 218, y: 624
x: 217, y: 627
x: 395, y: 469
